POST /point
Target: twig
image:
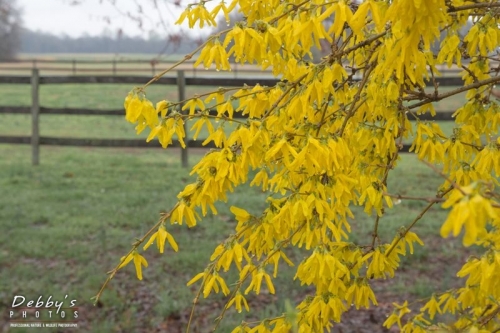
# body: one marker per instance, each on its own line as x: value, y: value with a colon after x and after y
x: 186, y: 58
x: 356, y: 98
x: 485, y: 5
x: 223, y: 117
x: 295, y: 8
x: 434, y: 82
x: 471, y: 73
x: 412, y: 224
x: 136, y: 244
x: 292, y: 85
x: 323, y: 114
x: 453, y: 184
x: 250, y: 271
x: 489, y: 317
x: 409, y: 197
x: 361, y: 44
x: 375, y: 231
x: 210, y: 270
x: 195, y: 301
x: 456, y: 91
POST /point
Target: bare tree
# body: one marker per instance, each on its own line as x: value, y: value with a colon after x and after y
x: 10, y: 29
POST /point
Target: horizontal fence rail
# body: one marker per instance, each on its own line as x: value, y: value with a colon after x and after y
x: 190, y: 81
x: 114, y: 66
x: 114, y: 143
x: 441, y: 116
x: 35, y: 110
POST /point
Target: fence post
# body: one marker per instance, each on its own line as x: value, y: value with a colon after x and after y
x: 114, y: 66
x: 181, y: 85
x: 74, y: 67
x: 35, y: 117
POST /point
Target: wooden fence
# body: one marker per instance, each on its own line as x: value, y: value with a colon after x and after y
x: 109, y: 66
x: 36, y: 140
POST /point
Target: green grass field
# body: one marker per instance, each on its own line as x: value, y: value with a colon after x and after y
x: 65, y: 223
x: 68, y: 221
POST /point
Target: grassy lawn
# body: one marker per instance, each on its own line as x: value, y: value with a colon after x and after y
x: 64, y: 224
x: 70, y: 219
x: 74, y: 216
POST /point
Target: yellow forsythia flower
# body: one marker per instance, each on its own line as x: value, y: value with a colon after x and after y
x: 139, y: 261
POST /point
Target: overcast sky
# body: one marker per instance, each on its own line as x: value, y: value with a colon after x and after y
x: 90, y: 16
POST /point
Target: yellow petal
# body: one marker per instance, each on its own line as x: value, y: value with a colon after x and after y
x: 150, y: 241
x: 196, y: 278
x: 172, y: 242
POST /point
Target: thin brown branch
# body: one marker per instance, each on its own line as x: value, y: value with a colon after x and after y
x: 434, y: 82
x: 484, y: 5
x: 409, y: 197
x: 439, y: 97
x: 209, y: 270
x: 186, y: 58
x: 489, y: 317
x: 323, y: 114
x: 442, y: 174
x: 412, y: 224
x: 392, y: 159
x: 250, y: 271
x: 356, y: 98
x: 135, y: 246
x: 361, y: 44
x: 292, y: 85
x: 471, y: 73
x: 375, y: 231
x: 286, y: 13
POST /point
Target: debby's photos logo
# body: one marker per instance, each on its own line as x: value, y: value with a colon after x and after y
x: 43, y: 312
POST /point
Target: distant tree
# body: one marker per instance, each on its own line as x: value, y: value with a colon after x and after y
x: 41, y: 42
x: 10, y: 29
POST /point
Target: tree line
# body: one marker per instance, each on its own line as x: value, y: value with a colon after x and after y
x: 41, y: 42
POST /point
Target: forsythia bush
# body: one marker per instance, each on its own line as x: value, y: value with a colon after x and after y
x: 326, y: 138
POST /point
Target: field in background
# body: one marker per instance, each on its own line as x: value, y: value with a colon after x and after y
x: 68, y: 221
x: 123, y: 64
x: 98, y: 56
x: 132, y: 64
